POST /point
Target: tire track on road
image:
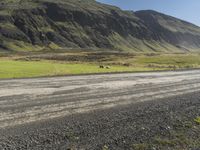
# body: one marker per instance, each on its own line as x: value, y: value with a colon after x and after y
x: 44, y: 102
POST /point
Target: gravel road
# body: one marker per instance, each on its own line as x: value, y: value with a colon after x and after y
x: 113, y: 111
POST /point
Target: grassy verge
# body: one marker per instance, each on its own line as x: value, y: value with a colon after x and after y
x: 21, y: 69
x: 53, y: 64
x: 174, y: 61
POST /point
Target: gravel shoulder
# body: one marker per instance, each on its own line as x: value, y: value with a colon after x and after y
x: 141, y: 111
x: 167, y: 123
x: 30, y: 100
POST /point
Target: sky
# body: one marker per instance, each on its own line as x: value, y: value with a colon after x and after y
x: 188, y: 10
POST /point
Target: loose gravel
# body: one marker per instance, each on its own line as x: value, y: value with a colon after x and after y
x: 167, y: 123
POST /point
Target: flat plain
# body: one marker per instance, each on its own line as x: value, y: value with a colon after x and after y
x: 23, y: 65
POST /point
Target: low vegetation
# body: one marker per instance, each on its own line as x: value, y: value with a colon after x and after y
x: 178, y: 137
x: 21, y: 69
x: 197, y: 120
x: 78, y: 62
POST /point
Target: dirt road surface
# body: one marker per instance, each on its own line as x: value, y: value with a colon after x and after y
x: 24, y: 102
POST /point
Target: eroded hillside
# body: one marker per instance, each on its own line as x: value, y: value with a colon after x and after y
x: 39, y: 24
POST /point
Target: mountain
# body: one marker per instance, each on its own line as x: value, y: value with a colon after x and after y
x: 39, y: 24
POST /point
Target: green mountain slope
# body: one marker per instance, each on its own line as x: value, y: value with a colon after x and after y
x: 39, y: 24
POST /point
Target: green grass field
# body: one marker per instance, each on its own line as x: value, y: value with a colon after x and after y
x: 177, y: 60
x: 14, y: 68
x: 22, y: 69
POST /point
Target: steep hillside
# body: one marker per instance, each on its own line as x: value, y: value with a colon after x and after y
x: 179, y: 33
x: 39, y: 24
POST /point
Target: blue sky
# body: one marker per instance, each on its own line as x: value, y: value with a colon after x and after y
x: 188, y: 10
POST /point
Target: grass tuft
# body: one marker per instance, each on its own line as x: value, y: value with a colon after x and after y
x: 197, y: 120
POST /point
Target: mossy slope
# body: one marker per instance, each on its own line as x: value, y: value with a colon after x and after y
x: 89, y: 24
